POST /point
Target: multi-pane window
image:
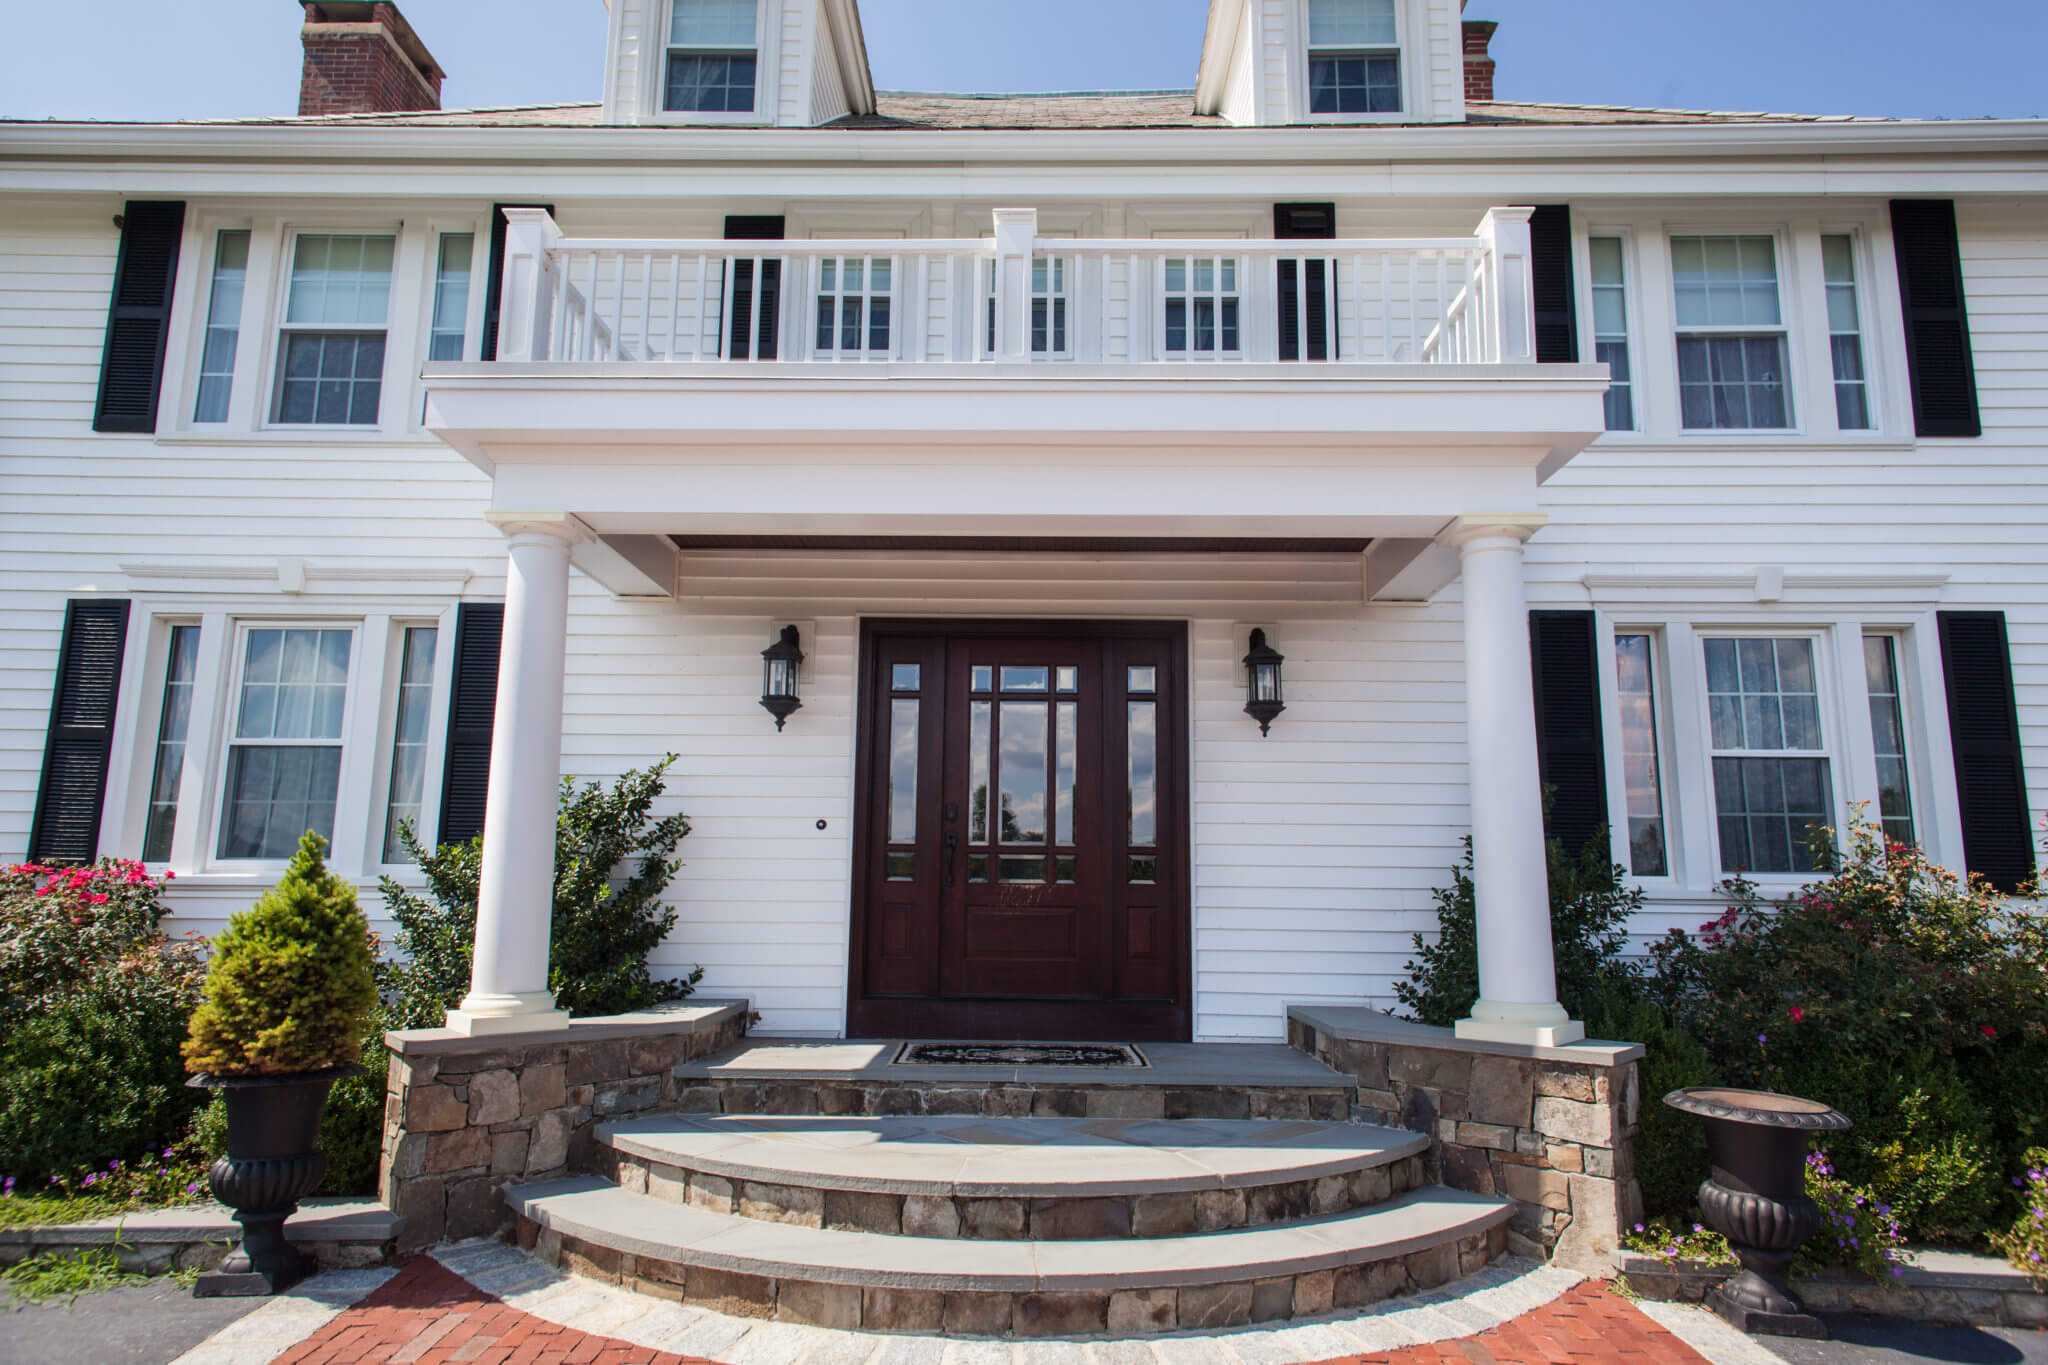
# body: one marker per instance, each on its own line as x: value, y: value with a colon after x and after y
x: 1888, y: 737
x: 1048, y: 306
x: 409, y: 739
x: 1610, y: 330
x: 451, y: 295
x: 853, y: 305
x: 1770, y: 765
x: 1201, y: 305
x: 712, y: 57
x: 1731, y: 334
x: 223, y: 325
x: 1354, y: 57
x: 1845, y: 333
x: 331, y: 356
x: 1636, y: 688
x: 173, y: 720
x: 284, y: 747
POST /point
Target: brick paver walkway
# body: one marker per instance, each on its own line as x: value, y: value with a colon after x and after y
x: 1587, y: 1325
x: 428, y: 1315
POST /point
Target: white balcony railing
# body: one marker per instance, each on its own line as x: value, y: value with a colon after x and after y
x: 1019, y: 298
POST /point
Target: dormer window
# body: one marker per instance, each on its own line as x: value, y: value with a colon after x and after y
x: 713, y: 56
x: 1354, y: 58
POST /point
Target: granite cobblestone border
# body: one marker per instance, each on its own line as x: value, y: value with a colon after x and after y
x: 1018, y: 1313
x: 1173, y: 1213
x: 1551, y: 1128
x: 465, y: 1116
x: 698, y: 1094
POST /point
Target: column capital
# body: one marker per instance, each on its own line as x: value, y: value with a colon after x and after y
x: 1492, y: 526
x: 563, y: 526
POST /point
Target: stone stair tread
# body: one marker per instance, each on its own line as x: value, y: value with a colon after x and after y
x: 602, y: 1214
x: 996, y: 1158
x: 1266, y: 1066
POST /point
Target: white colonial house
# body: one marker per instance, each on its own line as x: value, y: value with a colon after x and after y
x: 382, y: 463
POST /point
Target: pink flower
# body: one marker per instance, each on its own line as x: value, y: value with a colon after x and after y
x: 1987, y: 1030
x: 1798, y: 1015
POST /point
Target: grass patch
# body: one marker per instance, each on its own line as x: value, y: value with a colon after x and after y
x: 66, y: 1275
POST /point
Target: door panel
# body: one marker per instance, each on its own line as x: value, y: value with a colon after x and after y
x: 1021, y: 845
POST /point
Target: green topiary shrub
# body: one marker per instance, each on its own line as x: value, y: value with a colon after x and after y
x: 603, y: 926
x: 291, y: 985
x: 93, y: 1004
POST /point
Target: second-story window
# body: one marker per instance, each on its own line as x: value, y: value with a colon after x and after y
x: 1731, y: 334
x: 1048, y: 306
x: 451, y: 295
x: 1354, y: 57
x: 712, y: 57
x: 1610, y: 330
x: 853, y: 305
x: 331, y: 356
x: 223, y: 325
x: 1845, y: 333
x: 1201, y: 314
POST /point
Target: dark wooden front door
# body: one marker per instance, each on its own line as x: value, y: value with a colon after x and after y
x: 1021, y: 831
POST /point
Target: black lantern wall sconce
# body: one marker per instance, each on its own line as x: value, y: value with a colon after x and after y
x: 1262, y: 682
x: 781, y: 665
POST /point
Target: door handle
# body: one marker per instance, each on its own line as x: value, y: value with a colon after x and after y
x: 952, y: 846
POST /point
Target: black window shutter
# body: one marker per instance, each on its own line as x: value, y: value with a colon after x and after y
x: 1563, y: 654
x: 494, y: 279
x: 1304, y: 338
x: 1937, y: 320
x: 758, y: 227
x: 472, y: 705
x: 139, y: 316
x: 66, y: 828
x: 1550, y: 286
x: 1984, y: 730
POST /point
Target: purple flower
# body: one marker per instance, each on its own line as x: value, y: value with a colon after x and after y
x: 1899, y: 1271
x: 192, y: 1188
x: 7, y: 1185
x: 1639, y: 1227
x: 1763, y: 1037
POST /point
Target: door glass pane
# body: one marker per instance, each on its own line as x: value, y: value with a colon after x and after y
x: 903, y: 772
x: 1142, y: 680
x: 1025, y: 679
x: 1070, y: 679
x: 982, y: 679
x: 1023, y: 772
x: 902, y: 867
x: 977, y: 773
x: 1144, y: 870
x: 1144, y: 781
x: 1063, y: 780
x: 903, y: 678
x: 1023, y: 869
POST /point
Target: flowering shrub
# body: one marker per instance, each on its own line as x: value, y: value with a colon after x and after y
x: 1909, y: 998
x: 2025, y: 1244
x: 1856, y: 1231
x: 1699, y: 1246
x: 59, y: 925
x: 93, y: 1003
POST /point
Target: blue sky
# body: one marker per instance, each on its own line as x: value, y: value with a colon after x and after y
x: 223, y: 58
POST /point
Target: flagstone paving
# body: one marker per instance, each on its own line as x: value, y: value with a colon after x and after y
x: 488, y: 1304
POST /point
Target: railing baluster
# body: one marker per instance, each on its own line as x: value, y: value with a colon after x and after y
x: 675, y: 303
x: 558, y: 333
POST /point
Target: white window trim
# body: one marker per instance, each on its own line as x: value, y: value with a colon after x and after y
x: 1414, y: 84
x: 767, y: 71
x: 1692, y: 834
x: 1632, y: 313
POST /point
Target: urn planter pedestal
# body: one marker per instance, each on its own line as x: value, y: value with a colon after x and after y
x: 1756, y: 1198
x: 273, y: 1161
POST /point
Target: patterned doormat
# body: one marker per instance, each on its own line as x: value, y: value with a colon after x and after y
x: 1020, y: 1054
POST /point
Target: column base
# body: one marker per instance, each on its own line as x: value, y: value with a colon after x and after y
x: 482, y: 1014
x: 1511, y: 1022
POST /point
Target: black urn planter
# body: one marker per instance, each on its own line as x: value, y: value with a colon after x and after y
x: 273, y: 1161
x: 1756, y: 1198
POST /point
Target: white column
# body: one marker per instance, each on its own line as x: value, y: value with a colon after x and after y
x: 1517, y: 973
x: 508, y: 984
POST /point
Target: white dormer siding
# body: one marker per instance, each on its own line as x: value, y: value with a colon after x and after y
x: 1255, y: 64
x: 810, y: 66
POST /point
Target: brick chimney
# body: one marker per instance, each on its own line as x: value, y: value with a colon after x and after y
x: 1478, y: 63
x: 363, y: 58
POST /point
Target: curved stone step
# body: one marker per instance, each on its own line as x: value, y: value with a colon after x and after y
x: 1026, y: 1288
x: 1010, y: 1179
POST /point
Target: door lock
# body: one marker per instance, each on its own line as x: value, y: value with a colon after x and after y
x: 952, y: 846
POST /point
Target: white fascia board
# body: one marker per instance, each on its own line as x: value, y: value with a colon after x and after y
x: 212, y: 144
x: 1219, y: 42
x: 1118, y: 493
x: 1546, y: 412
